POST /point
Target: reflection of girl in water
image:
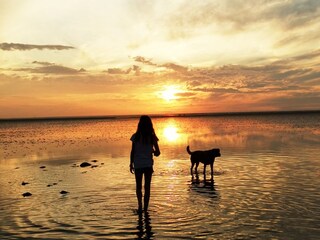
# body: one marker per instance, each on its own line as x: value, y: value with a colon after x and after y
x: 144, y: 146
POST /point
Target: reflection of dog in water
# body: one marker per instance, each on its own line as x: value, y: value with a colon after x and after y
x: 206, y: 157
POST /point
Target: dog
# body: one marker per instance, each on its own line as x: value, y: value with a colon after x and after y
x: 206, y: 157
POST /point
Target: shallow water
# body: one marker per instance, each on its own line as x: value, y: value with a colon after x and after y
x: 266, y: 183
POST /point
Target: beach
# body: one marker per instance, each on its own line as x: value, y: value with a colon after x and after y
x: 266, y: 182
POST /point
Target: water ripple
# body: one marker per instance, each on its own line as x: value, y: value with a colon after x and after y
x: 263, y: 187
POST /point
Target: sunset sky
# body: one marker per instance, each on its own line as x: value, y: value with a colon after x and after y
x: 107, y: 57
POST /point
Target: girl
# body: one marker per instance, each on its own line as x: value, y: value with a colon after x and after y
x: 144, y: 145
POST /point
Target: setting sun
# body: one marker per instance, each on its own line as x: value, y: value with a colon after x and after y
x: 169, y: 93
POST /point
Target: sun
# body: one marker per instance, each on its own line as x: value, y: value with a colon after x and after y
x: 169, y: 93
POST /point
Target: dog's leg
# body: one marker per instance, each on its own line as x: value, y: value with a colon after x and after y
x: 192, y: 178
x: 197, y: 164
x: 191, y: 169
x: 196, y: 169
x: 204, y: 172
x: 211, y: 166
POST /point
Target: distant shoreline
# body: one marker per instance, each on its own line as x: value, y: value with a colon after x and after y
x: 159, y: 115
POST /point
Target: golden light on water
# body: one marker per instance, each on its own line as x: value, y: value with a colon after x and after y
x: 171, y: 133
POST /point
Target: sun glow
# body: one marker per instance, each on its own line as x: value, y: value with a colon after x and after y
x: 169, y: 93
x: 171, y: 133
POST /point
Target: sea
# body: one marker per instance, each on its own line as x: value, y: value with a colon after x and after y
x: 266, y: 183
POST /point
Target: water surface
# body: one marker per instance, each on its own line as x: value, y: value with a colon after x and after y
x: 266, y: 183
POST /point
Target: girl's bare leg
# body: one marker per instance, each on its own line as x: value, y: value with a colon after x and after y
x: 147, y: 186
x: 138, y: 176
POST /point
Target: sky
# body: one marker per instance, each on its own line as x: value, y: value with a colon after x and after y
x: 105, y: 57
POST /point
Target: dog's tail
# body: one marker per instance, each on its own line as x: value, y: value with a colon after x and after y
x: 188, y: 150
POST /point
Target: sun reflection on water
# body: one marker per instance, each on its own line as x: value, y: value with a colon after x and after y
x: 171, y: 133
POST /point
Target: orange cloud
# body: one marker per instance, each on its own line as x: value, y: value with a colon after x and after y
x: 289, y: 84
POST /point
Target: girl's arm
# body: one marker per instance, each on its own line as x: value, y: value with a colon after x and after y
x: 156, y: 151
x: 131, y: 158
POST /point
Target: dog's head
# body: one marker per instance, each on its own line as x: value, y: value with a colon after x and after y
x: 215, y: 152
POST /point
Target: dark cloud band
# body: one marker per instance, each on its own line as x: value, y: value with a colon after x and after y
x: 25, y: 47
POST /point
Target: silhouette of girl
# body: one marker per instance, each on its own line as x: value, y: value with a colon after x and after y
x: 144, y: 146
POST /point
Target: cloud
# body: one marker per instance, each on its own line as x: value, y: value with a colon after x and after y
x: 185, y: 94
x: 43, y: 63
x: 306, y: 56
x: 51, y: 68
x: 294, y: 14
x: 25, y: 47
x: 118, y: 71
x: 216, y: 90
x: 135, y: 69
x: 293, y: 101
x: 60, y: 84
x: 291, y: 83
x: 175, y: 67
x: 298, y: 38
x: 313, y: 77
x: 286, y: 76
x: 56, y: 69
x: 171, y: 66
x: 144, y: 60
x: 233, y: 16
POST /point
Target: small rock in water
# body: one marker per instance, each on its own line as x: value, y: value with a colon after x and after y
x: 43, y: 167
x: 94, y: 161
x: 24, y: 183
x: 85, y: 164
x: 94, y: 166
x: 26, y: 194
x: 49, y: 185
x: 64, y: 192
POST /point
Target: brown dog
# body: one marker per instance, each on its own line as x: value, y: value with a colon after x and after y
x: 205, y: 157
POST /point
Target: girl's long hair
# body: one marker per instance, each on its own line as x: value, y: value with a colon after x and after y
x: 145, y: 132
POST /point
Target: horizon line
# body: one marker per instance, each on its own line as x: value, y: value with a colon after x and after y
x: 164, y: 115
